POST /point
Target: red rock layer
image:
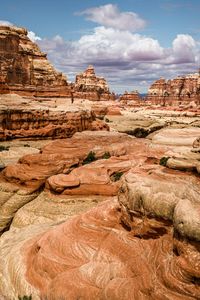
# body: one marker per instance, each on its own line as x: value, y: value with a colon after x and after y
x: 91, y: 87
x: 41, y: 123
x: 183, y: 90
x: 24, y: 69
x: 132, y: 98
x: 94, y: 256
x: 64, y: 155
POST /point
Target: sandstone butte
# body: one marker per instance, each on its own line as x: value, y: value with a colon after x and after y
x: 91, y: 87
x: 25, y: 70
x: 131, y: 98
x: 99, y: 214
x: 180, y: 91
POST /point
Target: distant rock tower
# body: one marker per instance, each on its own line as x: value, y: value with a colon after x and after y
x: 182, y: 90
x: 92, y: 87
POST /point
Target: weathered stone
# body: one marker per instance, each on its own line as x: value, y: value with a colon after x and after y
x: 25, y: 70
x: 28, y: 118
x: 91, y: 87
x: 183, y: 90
x: 131, y: 98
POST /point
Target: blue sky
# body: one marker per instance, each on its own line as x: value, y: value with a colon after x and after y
x: 130, y: 42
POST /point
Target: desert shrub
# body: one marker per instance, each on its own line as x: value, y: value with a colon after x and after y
x: 106, y: 155
x: 4, y: 148
x: 163, y: 160
x: 26, y: 145
x: 116, y: 176
x: 107, y: 120
x: 25, y: 297
x: 90, y: 158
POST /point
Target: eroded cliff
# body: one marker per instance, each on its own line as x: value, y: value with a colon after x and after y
x: 25, y: 70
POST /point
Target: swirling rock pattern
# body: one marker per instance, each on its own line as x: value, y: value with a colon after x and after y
x: 142, y: 244
x: 95, y: 256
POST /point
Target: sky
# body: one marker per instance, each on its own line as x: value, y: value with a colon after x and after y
x: 131, y: 43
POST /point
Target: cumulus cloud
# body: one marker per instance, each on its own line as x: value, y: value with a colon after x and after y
x: 110, y: 16
x: 128, y: 60
x: 184, y: 48
x: 6, y: 23
x: 33, y: 37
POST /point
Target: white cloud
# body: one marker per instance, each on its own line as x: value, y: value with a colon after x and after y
x: 109, y: 15
x: 33, y: 37
x: 184, y: 48
x: 6, y: 23
x: 124, y: 58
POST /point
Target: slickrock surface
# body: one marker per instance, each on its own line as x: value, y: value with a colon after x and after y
x: 176, y: 136
x: 91, y: 87
x: 95, y: 178
x: 99, y: 255
x: 142, y: 243
x: 27, y: 118
x: 23, y: 181
x: 183, y: 90
x: 135, y: 124
x: 32, y: 170
x: 25, y: 70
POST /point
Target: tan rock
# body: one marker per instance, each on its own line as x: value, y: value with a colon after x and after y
x: 183, y: 90
x: 91, y: 87
x: 92, y: 256
x: 25, y: 70
x: 27, y: 118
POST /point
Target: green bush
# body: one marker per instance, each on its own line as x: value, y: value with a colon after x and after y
x: 90, y: 158
x: 163, y: 161
x: 4, y: 148
x: 116, y: 176
x: 25, y: 297
x: 106, y: 155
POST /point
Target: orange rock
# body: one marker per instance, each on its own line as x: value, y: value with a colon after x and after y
x: 33, y: 170
x: 180, y: 91
x: 91, y: 87
x: 26, y: 118
x: 25, y: 70
x: 91, y: 179
x: 94, y: 257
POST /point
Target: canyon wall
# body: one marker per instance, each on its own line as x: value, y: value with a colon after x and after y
x: 25, y: 70
x: 22, y: 117
x: 182, y: 90
x: 91, y: 87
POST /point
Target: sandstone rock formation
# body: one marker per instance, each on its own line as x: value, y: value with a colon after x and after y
x: 25, y: 70
x: 132, y: 98
x: 140, y: 242
x: 27, y: 118
x: 183, y: 90
x: 143, y: 244
x: 137, y: 124
x: 91, y: 87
